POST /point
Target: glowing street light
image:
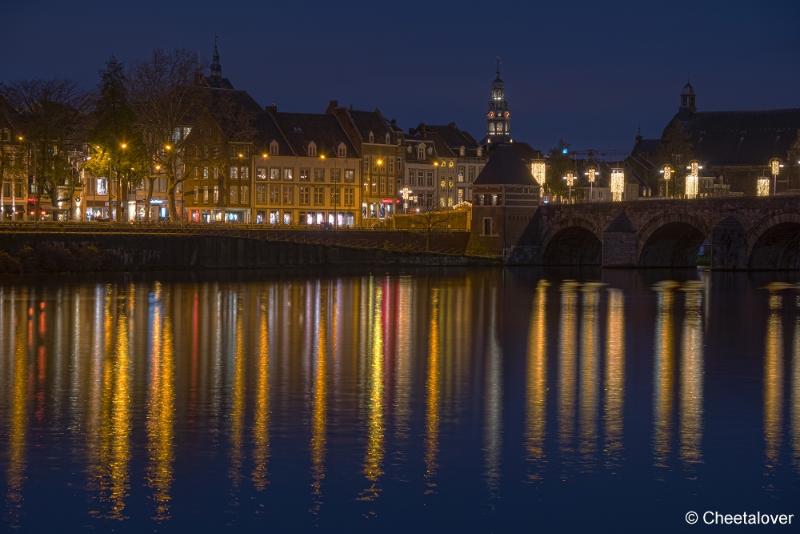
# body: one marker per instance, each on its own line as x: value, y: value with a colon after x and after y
x: 762, y: 186
x: 666, y: 171
x: 591, y: 175
x: 617, y: 184
x: 405, y: 193
x: 123, y: 146
x: 692, y: 182
x: 775, y: 167
x: 570, y: 179
x: 539, y: 172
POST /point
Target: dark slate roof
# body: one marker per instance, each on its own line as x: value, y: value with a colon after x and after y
x: 453, y: 136
x: 235, y: 112
x: 423, y: 134
x: 300, y: 129
x: 505, y: 167
x: 267, y: 131
x: 742, y: 137
x: 371, y: 121
x: 523, y: 150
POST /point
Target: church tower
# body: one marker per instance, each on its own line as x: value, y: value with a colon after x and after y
x: 216, y: 66
x: 498, y: 117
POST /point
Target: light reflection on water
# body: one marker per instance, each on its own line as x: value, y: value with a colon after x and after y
x: 383, y: 400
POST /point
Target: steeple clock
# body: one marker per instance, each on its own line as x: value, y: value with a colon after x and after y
x: 498, y: 117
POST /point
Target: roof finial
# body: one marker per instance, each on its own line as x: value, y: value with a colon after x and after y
x: 498, y: 67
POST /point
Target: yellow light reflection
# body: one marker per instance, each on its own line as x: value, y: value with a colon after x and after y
x: 160, y: 414
x: 691, y: 394
x: 320, y: 406
x: 566, y: 367
x: 237, y: 407
x: 373, y: 461
x: 588, y: 374
x: 796, y: 393
x: 537, y: 376
x: 121, y: 424
x: 432, y: 394
x: 18, y: 424
x: 615, y: 376
x: 773, y: 382
x: 664, y: 385
x: 261, y: 423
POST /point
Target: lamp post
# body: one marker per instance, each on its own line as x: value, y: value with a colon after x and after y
x: 617, y: 184
x: 570, y: 179
x: 405, y: 193
x: 775, y: 167
x: 591, y: 175
x: 666, y: 171
x: 379, y: 163
x: 539, y: 173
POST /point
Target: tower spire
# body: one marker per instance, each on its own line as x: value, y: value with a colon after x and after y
x: 498, y: 66
x: 216, y: 66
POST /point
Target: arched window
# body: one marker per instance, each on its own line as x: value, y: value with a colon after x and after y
x: 421, y: 151
x: 388, y: 138
x: 312, y: 149
x: 371, y: 137
x: 273, y: 148
x: 341, y: 150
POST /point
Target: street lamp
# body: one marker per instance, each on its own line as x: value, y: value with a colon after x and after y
x: 570, y: 179
x: 666, y: 171
x: 591, y: 174
x: 617, y: 184
x: 775, y: 167
x: 692, y: 179
x: 762, y: 186
x: 539, y: 171
x: 405, y: 193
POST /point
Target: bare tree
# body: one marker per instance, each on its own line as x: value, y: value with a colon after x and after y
x: 53, y: 117
x: 163, y: 95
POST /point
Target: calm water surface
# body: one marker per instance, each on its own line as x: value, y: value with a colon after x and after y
x: 473, y: 401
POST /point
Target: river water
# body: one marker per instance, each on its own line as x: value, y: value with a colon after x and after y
x: 488, y: 401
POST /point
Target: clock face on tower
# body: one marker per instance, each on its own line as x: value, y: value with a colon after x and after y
x: 507, y: 114
x: 491, y: 114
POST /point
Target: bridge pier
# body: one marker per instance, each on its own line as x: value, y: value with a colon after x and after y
x: 619, y: 243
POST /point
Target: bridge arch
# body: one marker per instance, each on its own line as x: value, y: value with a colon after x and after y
x: 774, y: 242
x: 671, y: 239
x: 572, y: 242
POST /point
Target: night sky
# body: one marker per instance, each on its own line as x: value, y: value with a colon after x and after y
x: 586, y: 72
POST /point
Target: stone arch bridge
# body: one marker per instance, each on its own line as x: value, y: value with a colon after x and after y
x: 741, y: 232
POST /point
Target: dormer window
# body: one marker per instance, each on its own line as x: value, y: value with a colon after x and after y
x: 341, y: 150
x: 462, y: 151
x: 421, y: 151
x: 371, y: 137
x: 312, y: 149
x: 388, y: 138
x: 273, y: 148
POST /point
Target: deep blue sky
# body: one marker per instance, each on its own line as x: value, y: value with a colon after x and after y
x: 587, y: 72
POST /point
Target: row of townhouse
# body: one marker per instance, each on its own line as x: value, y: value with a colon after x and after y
x: 243, y: 163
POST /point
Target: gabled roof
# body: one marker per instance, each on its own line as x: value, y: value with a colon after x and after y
x: 371, y: 121
x: 300, y: 129
x: 505, y: 167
